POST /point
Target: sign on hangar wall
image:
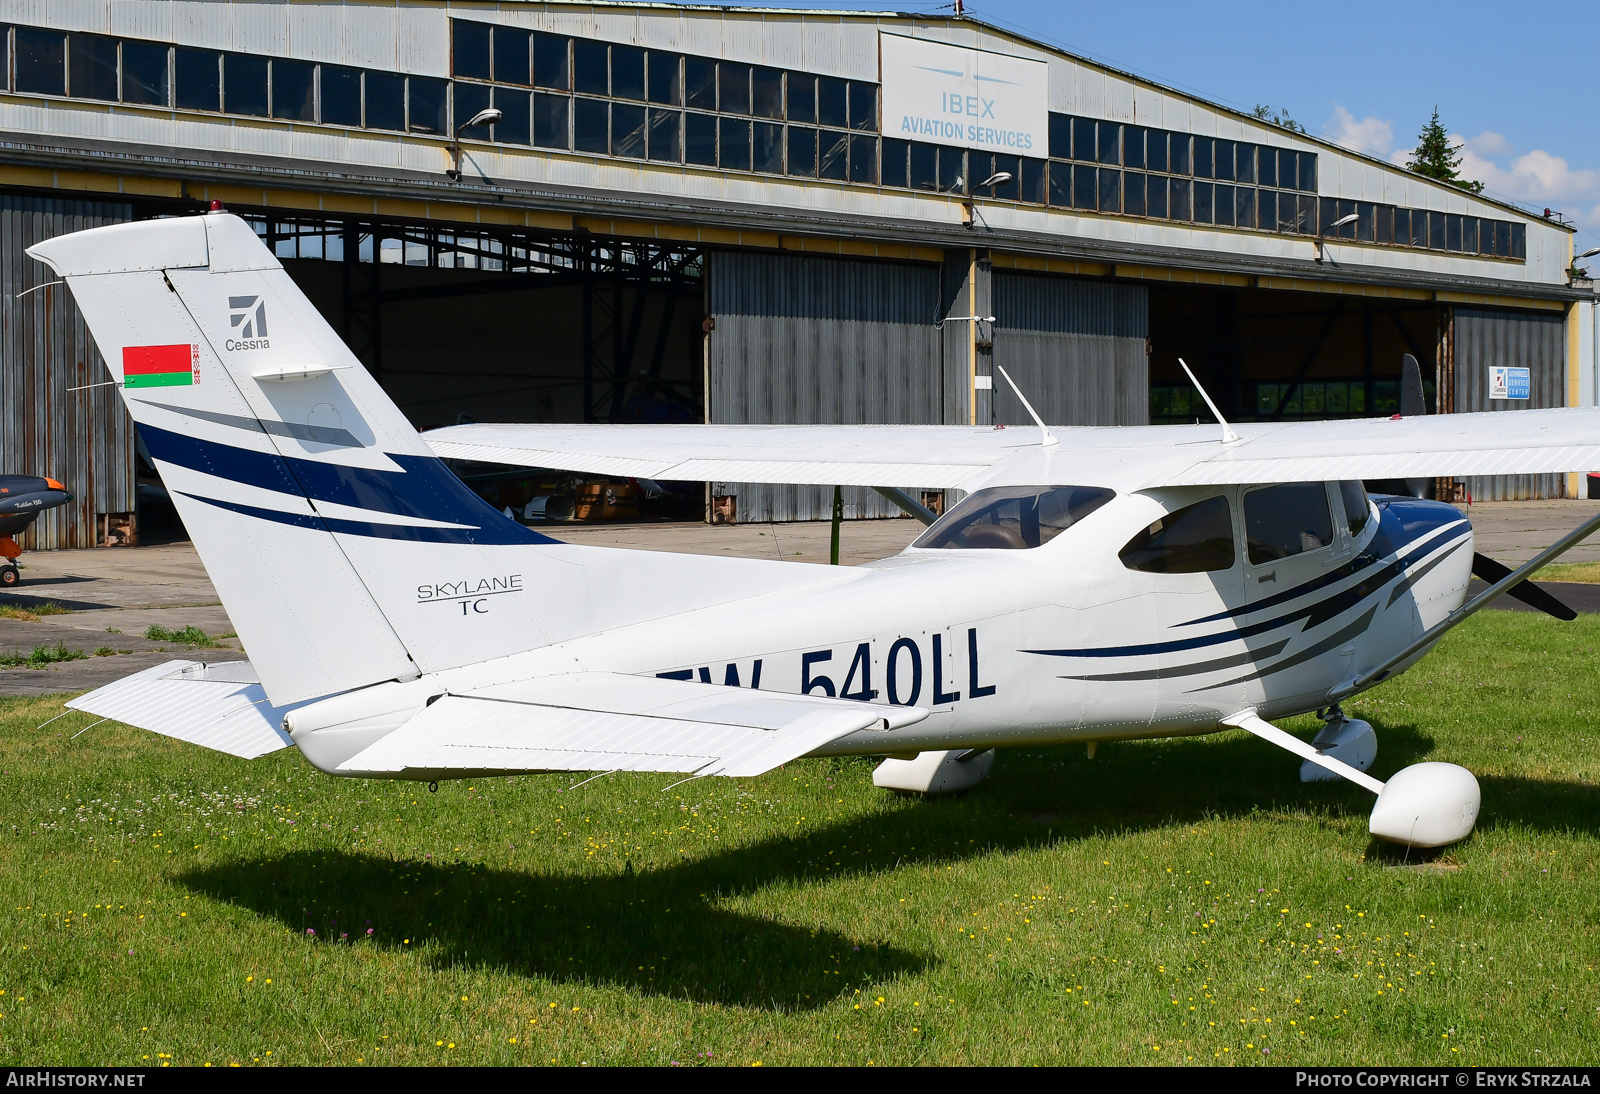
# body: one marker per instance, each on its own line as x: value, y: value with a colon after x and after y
x: 950, y: 95
x: 1510, y: 382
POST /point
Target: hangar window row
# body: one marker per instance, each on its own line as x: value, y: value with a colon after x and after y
x: 1207, y: 180
x: 1090, y: 140
x: 93, y: 66
x: 510, y: 55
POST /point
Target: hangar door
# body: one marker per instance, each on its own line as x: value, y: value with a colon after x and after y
x: 807, y: 340
x: 1481, y: 338
x: 57, y: 415
x: 1076, y: 348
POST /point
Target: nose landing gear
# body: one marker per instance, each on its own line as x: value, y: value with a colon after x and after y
x: 1348, y: 740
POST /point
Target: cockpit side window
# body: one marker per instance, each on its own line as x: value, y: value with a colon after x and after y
x: 1356, y: 508
x: 1192, y: 540
x: 1281, y: 521
x: 1013, y: 518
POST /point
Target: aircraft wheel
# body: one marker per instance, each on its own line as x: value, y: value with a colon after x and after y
x: 9, y: 576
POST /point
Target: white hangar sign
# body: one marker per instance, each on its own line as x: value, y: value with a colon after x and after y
x: 968, y: 97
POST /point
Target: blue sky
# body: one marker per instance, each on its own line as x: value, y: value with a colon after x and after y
x: 1517, y: 83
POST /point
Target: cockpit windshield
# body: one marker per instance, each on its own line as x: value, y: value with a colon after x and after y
x: 1013, y: 518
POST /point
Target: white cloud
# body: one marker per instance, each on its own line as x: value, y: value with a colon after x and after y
x: 1537, y: 178
x: 1489, y: 143
x: 1374, y: 136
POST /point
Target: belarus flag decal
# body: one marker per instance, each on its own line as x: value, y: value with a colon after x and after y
x: 159, y: 366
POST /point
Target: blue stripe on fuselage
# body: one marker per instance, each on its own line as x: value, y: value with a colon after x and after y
x: 1404, y: 528
x: 1401, y: 522
x: 424, y: 488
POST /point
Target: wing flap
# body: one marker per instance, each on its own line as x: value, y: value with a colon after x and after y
x: 219, y: 706
x: 613, y: 722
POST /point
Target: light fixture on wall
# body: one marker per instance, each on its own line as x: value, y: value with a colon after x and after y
x: 1578, y: 273
x: 482, y: 117
x: 1334, y: 227
x: 970, y: 214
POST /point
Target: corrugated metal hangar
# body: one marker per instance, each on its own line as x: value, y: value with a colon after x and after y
x: 743, y: 215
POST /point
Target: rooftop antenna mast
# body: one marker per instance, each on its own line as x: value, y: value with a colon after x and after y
x: 1228, y: 435
x: 1047, y: 438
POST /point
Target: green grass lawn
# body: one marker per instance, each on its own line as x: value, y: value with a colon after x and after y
x: 1166, y: 902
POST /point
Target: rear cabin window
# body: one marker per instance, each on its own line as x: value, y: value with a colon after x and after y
x: 1287, y: 520
x: 1356, y: 508
x: 1192, y: 540
x: 1013, y: 518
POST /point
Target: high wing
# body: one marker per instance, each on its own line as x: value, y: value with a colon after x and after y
x: 1519, y: 442
x: 604, y: 721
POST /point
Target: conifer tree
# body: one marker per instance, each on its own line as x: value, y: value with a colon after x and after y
x: 1437, y: 158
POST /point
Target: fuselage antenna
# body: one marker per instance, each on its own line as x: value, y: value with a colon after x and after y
x: 1048, y: 438
x: 1228, y: 435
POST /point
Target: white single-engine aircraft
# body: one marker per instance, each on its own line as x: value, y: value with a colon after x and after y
x: 1093, y: 585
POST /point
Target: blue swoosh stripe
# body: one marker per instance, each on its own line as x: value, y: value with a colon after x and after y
x: 1317, y: 613
x: 424, y: 489
x: 352, y: 527
x: 1399, y: 525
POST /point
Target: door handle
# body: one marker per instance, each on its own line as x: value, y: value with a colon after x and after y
x: 1264, y: 578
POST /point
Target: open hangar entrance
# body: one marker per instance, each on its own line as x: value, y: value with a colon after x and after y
x: 1276, y: 355
x: 468, y: 323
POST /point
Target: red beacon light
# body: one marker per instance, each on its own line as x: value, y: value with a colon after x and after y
x: 216, y: 206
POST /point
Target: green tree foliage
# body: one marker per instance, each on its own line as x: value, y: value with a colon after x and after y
x: 1437, y: 158
x: 1277, y: 116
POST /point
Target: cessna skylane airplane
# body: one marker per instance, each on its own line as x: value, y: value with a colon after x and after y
x: 1093, y: 584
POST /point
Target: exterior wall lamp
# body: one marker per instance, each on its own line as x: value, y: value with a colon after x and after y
x: 969, y: 210
x: 1334, y: 227
x: 482, y: 117
x: 1576, y: 273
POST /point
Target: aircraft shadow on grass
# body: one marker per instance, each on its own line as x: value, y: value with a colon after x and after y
x: 663, y: 930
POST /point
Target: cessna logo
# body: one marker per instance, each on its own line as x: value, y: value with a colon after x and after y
x: 248, y: 316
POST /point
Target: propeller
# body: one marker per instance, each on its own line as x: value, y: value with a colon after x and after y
x: 1534, y: 596
x: 1412, y: 405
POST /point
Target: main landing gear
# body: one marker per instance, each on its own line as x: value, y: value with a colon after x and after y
x: 935, y: 772
x: 10, y: 575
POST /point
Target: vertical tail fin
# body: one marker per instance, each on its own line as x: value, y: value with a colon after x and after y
x: 299, y: 480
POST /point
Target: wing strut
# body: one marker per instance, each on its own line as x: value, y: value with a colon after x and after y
x: 1460, y: 615
x: 908, y: 504
x: 1248, y: 720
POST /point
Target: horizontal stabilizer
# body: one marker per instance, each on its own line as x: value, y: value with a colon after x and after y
x: 218, y: 706
x: 597, y: 721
